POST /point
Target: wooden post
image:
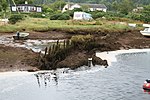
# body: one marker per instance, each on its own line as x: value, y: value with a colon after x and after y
x: 64, y: 44
x: 45, y: 52
x: 49, y: 51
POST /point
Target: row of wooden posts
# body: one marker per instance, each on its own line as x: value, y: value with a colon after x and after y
x: 53, y: 54
x: 56, y: 47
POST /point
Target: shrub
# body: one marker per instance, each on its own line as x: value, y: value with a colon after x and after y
x: 60, y: 16
x: 36, y: 15
x: 84, y: 42
x: 134, y: 16
x: 80, y: 41
x: 145, y: 18
x: 81, y: 38
x: 109, y: 14
x: 55, y: 16
x: 98, y: 22
x: 114, y: 14
x: 98, y: 15
x: 70, y: 13
x: 15, y: 18
x: 64, y: 17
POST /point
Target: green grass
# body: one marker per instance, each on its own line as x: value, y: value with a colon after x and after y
x: 42, y: 24
x: 9, y: 28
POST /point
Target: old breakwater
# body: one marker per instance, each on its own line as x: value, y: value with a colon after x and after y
x: 67, y: 55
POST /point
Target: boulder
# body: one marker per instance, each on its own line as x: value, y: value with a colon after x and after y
x: 74, y: 60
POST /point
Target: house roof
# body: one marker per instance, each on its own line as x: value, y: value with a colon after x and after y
x: 25, y: 5
x: 71, y: 4
x: 90, y: 5
x: 96, y: 5
x: 140, y: 8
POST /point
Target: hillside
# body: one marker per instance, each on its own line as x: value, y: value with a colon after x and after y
x: 136, y: 2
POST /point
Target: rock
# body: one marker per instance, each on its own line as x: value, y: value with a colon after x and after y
x: 74, y: 60
x: 99, y: 61
x: 34, y: 69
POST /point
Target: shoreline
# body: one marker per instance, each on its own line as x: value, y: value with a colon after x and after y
x: 110, y: 57
x: 107, y: 42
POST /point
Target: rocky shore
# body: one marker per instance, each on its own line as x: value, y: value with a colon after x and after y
x: 13, y: 59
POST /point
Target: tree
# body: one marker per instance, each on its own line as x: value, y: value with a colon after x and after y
x: 47, y: 10
x: 23, y: 1
x: 115, y: 5
x: 3, y: 6
x: 15, y: 18
x: 0, y: 8
x: 58, y: 5
x: 125, y: 6
x: 85, y: 7
x: 146, y: 14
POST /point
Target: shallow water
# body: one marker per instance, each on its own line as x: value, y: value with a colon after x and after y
x: 122, y: 80
x: 34, y: 45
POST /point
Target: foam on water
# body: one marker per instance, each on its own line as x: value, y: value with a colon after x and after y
x: 13, y: 74
x: 110, y: 56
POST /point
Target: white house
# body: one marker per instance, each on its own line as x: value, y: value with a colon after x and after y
x: 25, y: 8
x: 91, y: 7
x: 70, y: 7
x: 138, y: 9
x: 98, y: 7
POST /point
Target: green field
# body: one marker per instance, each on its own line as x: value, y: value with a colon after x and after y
x: 43, y: 24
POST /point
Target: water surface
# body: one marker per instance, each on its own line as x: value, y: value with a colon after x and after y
x: 122, y: 80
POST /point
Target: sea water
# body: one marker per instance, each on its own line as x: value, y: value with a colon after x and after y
x: 121, y: 80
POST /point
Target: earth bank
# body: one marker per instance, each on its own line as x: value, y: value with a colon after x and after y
x: 12, y: 59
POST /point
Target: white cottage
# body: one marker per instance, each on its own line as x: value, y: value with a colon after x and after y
x: 91, y: 7
x: 25, y: 8
x: 98, y: 7
x: 70, y: 7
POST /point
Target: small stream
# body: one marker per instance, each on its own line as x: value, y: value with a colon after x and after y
x: 35, y: 45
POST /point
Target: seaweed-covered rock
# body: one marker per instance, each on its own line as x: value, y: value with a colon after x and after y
x: 75, y: 60
x: 99, y: 61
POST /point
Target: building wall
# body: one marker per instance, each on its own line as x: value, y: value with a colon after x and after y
x: 26, y: 9
x: 99, y: 9
x: 66, y: 7
x: 38, y: 9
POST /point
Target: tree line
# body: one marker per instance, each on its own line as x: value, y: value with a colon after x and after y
x: 116, y: 8
x: 107, y: 2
